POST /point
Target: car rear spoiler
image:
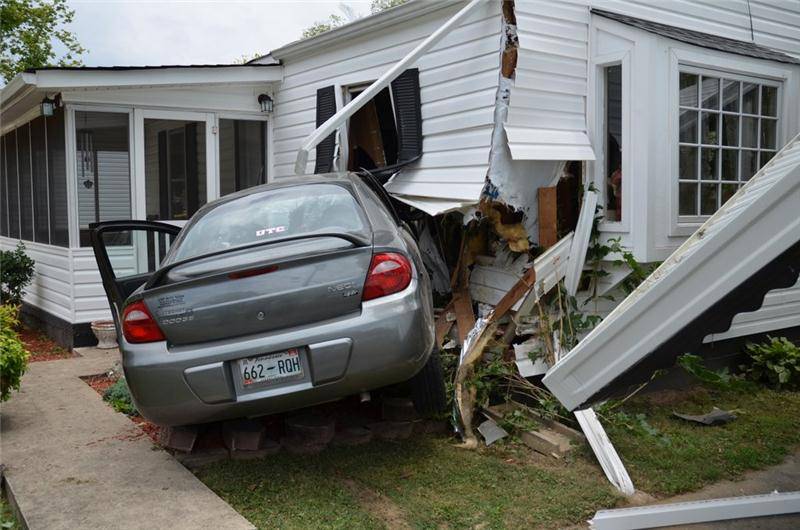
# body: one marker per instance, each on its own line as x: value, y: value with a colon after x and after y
x: 356, y: 240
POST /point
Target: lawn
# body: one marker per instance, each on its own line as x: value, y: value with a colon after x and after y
x: 428, y: 482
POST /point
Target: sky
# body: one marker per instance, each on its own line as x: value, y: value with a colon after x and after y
x: 138, y: 32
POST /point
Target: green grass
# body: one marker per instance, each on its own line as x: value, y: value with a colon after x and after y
x: 684, y: 456
x: 7, y: 519
x: 432, y: 483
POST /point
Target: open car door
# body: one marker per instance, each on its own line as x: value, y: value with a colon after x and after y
x: 127, y: 254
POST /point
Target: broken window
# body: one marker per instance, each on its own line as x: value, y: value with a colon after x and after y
x: 728, y: 130
x: 372, y: 133
x: 613, y: 142
x: 382, y: 135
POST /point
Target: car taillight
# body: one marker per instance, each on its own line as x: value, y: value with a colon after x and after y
x: 389, y: 273
x: 138, y: 325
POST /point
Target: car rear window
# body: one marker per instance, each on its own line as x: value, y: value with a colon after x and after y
x: 271, y: 215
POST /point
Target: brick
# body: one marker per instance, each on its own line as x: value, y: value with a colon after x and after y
x: 179, y: 438
x: 269, y: 447
x: 352, y: 436
x: 398, y: 409
x: 311, y: 428
x: 392, y: 430
x: 243, y: 435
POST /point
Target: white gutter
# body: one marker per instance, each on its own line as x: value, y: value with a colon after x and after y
x: 338, y: 119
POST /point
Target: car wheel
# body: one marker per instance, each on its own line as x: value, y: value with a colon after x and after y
x: 428, y: 389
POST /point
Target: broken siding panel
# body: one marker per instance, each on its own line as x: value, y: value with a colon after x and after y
x: 546, y: 116
x: 776, y: 23
x: 458, y: 82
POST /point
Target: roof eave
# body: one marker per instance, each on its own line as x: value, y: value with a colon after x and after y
x: 368, y: 24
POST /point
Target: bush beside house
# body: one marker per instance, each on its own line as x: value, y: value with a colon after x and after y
x: 16, y: 273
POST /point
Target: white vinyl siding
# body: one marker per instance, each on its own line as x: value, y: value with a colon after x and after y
x: 458, y: 86
x: 547, y: 111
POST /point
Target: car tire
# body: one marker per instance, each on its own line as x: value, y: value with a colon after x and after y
x: 428, y: 388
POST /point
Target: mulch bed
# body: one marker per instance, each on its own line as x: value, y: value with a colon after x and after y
x: 101, y: 382
x: 41, y: 347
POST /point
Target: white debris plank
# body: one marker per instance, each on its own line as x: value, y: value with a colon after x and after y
x: 689, y: 513
x: 550, y: 268
x: 580, y: 243
x: 604, y: 451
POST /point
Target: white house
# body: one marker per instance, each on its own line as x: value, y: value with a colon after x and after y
x: 667, y: 107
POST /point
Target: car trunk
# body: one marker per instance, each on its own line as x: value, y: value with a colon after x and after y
x: 262, y: 289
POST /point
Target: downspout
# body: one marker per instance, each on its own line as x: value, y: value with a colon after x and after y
x: 338, y: 119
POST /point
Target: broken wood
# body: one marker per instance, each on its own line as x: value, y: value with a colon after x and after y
x: 569, y: 432
x: 474, y: 347
x: 545, y: 440
x: 465, y: 317
x: 548, y: 216
x: 444, y: 323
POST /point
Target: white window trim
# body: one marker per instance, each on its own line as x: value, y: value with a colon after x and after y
x: 72, y: 175
x: 244, y: 116
x: 759, y: 71
x: 599, y: 64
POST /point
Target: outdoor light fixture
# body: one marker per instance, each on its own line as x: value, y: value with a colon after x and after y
x: 48, y: 107
x: 266, y: 103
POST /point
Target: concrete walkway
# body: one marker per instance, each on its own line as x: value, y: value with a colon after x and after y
x: 71, y: 461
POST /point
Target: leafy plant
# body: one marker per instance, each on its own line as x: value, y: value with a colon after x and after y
x: 636, y: 424
x: 31, y: 31
x: 13, y: 355
x: 721, y: 379
x: 777, y: 363
x: 16, y: 273
x: 119, y: 396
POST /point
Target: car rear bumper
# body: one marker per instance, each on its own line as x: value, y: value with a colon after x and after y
x: 387, y: 342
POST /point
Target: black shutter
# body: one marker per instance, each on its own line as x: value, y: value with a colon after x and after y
x: 326, y: 107
x: 408, y: 114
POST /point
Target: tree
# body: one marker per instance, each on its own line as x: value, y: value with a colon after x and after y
x: 348, y: 15
x: 246, y: 58
x: 28, y: 30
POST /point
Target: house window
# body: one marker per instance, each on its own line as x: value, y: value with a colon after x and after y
x: 372, y: 133
x: 613, y: 142
x: 728, y: 130
x: 242, y: 154
x: 102, y: 160
x: 33, y: 186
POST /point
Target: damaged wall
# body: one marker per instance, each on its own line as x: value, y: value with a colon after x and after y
x: 458, y: 82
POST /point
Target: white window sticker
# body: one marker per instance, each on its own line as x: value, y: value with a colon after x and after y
x: 270, y: 231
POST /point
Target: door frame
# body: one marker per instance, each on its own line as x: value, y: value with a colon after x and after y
x: 212, y: 181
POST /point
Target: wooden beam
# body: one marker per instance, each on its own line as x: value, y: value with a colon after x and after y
x: 548, y: 216
x: 465, y: 317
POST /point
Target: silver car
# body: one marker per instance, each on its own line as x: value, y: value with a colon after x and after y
x: 275, y: 298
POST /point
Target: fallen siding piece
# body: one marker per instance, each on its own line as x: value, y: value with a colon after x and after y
x: 491, y: 431
x: 749, y: 246
x: 604, y: 451
x: 580, y: 243
x: 550, y: 268
x: 685, y: 513
x: 526, y: 366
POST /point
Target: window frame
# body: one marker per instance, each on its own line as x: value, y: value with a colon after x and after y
x: 721, y: 66
x: 243, y: 116
x: 342, y: 157
x: 71, y: 145
x: 600, y: 63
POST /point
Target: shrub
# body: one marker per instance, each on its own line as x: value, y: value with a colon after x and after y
x: 776, y: 362
x: 16, y: 272
x: 13, y: 355
x: 119, y: 396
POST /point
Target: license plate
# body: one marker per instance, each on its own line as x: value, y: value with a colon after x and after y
x: 270, y: 367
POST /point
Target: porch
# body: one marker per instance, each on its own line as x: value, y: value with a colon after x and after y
x: 94, y: 144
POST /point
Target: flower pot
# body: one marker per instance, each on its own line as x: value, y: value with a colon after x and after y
x: 106, y: 334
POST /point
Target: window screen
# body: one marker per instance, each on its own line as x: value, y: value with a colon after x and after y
x: 57, y: 179
x: 242, y: 154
